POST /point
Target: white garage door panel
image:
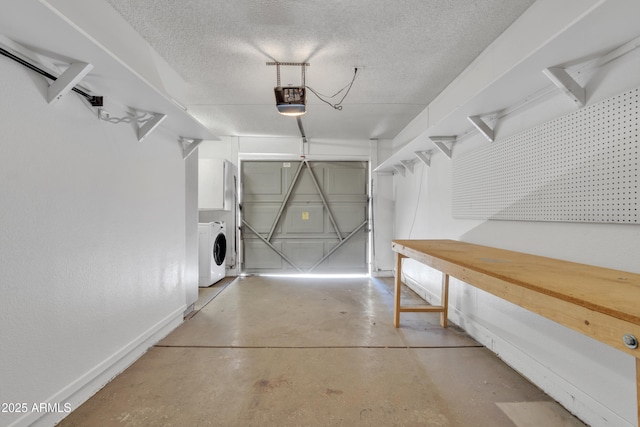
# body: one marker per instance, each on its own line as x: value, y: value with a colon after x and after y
x: 305, y: 219
x: 262, y: 179
x: 323, y: 197
x: 346, y: 181
x: 350, y: 258
x: 306, y: 187
x: 348, y: 216
x: 303, y: 253
x: 262, y: 257
x: 261, y: 216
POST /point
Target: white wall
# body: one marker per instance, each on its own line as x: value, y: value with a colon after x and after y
x: 594, y: 381
x: 293, y: 147
x: 92, y: 246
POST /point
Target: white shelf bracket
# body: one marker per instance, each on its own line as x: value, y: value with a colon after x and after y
x: 482, y: 127
x: 150, y: 125
x: 561, y: 78
x: 424, y: 156
x: 189, y: 147
x: 441, y: 143
x: 67, y: 80
x: 408, y: 164
x: 399, y: 168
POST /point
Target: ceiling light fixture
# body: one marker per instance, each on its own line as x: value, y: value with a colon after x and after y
x: 291, y: 100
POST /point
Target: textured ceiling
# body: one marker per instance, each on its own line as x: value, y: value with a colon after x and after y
x: 410, y: 51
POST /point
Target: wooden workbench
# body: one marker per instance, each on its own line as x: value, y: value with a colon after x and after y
x: 599, y: 302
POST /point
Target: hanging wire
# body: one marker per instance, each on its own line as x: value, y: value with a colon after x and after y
x: 321, y: 97
x: 337, y: 106
x: 140, y: 118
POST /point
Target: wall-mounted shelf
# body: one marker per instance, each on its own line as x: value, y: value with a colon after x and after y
x: 588, y: 42
x: 51, y: 38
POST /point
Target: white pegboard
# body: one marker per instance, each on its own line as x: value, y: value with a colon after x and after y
x: 582, y: 167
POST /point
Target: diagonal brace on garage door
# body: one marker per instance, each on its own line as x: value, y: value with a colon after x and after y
x: 335, y: 248
x: 285, y: 202
x: 324, y: 201
x: 282, y: 208
x: 268, y: 243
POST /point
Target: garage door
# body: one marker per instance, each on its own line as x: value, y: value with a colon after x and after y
x: 304, y: 217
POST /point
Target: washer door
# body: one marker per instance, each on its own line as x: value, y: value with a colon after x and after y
x: 219, y: 249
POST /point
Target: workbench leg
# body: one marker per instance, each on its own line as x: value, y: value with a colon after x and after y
x: 396, y: 292
x: 638, y: 388
x: 444, y: 300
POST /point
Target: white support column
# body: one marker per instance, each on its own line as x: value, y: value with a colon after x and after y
x: 482, y: 127
x: 67, y: 80
x: 440, y: 142
x: 150, y: 125
x: 567, y: 84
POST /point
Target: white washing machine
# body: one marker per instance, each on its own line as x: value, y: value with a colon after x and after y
x: 212, y: 243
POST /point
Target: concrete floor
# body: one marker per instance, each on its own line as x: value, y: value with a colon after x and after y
x: 316, y: 352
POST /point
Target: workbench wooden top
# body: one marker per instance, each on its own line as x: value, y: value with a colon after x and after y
x: 612, y: 292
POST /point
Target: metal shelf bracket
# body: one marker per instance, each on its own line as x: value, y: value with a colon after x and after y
x: 189, y: 146
x: 441, y: 143
x: 399, y: 167
x: 150, y: 125
x: 408, y: 164
x: 561, y: 78
x: 482, y: 127
x: 67, y: 80
x: 424, y: 156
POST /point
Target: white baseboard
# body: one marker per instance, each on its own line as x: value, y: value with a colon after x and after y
x: 188, y: 310
x: 583, y: 406
x: 80, y: 390
x: 566, y: 394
